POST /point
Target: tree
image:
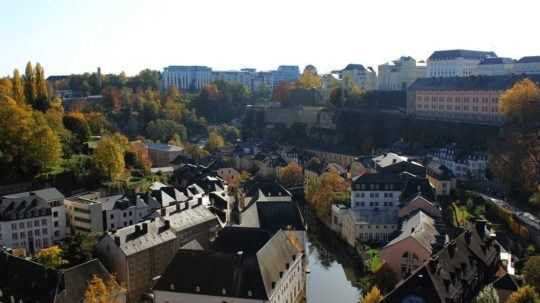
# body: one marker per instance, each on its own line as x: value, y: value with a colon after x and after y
x: 373, y: 296
x: 215, y: 142
x: 324, y: 191
x: 109, y: 158
x: 142, y: 157
x: 531, y: 271
x: 164, y: 130
x: 18, y: 87
x: 281, y: 92
x: 76, y: 123
x: 309, y: 80
x: 30, y: 90
x: 50, y: 257
x: 525, y: 294
x: 291, y: 174
x: 45, y: 147
x: 98, y: 291
x: 42, y: 95
x: 487, y: 295
x: 521, y: 103
x: 195, y: 152
x: 78, y: 248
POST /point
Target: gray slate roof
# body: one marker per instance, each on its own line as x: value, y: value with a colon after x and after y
x: 420, y: 227
x: 460, y: 53
x: 485, y: 83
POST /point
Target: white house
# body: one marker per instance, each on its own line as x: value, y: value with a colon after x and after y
x: 399, y: 74
x: 455, y: 63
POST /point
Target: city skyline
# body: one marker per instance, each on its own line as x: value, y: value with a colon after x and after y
x: 68, y: 37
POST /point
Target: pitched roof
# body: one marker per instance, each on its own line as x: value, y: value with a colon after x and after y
x: 227, y: 273
x: 529, y: 59
x: 272, y: 216
x: 420, y: 227
x: 354, y: 67
x: 460, y: 53
x: 439, y: 171
x: 47, y: 194
x: 491, y: 60
x: 77, y: 278
x: 486, y: 83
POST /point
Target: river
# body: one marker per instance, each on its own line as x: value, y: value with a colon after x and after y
x: 334, y: 275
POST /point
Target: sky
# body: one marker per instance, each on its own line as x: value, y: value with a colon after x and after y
x: 77, y: 36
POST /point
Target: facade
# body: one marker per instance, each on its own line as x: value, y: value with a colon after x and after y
x: 366, y: 79
x: 399, y: 74
x: 285, y: 73
x: 252, y: 270
x: 456, y: 273
x: 415, y: 244
x: 187, y: 77
x: 506, y: 66
x: 527, y: 65
x: 461, y: 99
x: 162, y: 155
x: 419, y: 203
x: 141, y: 252
x: 463, y: 165
x: 441, y: 178
x: 455, y: 63
x: 32, y: 220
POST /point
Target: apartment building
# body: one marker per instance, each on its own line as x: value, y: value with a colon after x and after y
x: 529, y: 65
x: 365, y: 78
x: 32, y: 220
x: 463, y: 164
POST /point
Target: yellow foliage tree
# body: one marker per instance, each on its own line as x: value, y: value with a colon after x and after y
x: 309, y: 80
x: 291, y: 174
x: 525, y: 294
x: 50, y: 257
x: 109, y: 157
x: 373, y: 296
x: 215, y: 141
x: 103, y: 292
x: 323, y: 192
x: 521, y: 103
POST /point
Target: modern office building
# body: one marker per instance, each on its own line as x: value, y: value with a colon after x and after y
x: 400, y: 74
x: 455, y: 63
x: 187, y: 77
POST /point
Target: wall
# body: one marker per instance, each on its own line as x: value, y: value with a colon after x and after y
x: 392, y: 254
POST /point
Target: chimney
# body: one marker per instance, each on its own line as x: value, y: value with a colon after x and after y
x: 117, y: 240
x: 145, y: 228
x: 480, y: 225
x: 468, y: 235
x: 433, y: 263
x: 167, y: 224
x: 178, y: 207
x: 137, y: 229
x: 163, y: 212
x: 452, y: 248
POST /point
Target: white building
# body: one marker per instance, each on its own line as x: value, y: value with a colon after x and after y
x: 399, y: 74
x: 187, y: 77
x: 464, y: 165
x: 366, y: 79
x: 252, y: 270
x: 455, y: 63
x: 494, y: 67
x: 285, y: 73
x: 32, y: 220
x: 527, y: 65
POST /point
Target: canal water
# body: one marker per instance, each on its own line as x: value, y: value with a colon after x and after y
x: 334, y: 274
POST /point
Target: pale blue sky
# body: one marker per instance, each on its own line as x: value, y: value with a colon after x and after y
x: 75, y: 36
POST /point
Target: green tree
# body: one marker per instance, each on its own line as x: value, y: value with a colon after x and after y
x: 164, y: 130
x: 78, y: 248
x: 531, y: 271
x: 109, y: 158
x: 50, y: 257
x: 18, y: 87
x: 487, y: 295
x: 30, y: 90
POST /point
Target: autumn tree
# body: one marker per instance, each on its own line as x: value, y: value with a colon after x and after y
x: 195, y: 152
x: 324, y: 191
x: 6, y: 88
x: 531, y: 271
x: 373, y: 296
x: 18, y: 87
x: 309, y: 80
x: 99, y: 291
x: 281, y: 92
x: 30, y: 89
x: 164, y: 130
x: 291, y: 174
x: 109, y: 158
x: 215, y: 141
x: 50, y: 257
x: 141, y: 155
x: 42, y: 95
x: 521, y: 103
x: 525, y: 294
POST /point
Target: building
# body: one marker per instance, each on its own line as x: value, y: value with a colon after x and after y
x: 162, y: 155
x: 456, y: 273
x: 494, y: 66
x: 419, y: 203
x: 463, y: 164
x: 368, y: 226
x: 400, y: 74
x: 252, y: 270
x: 285, y: 73
x: 141, y: 252
x: 364, y: 78
x: 441, y: 178
x: 461, y: 99
x: 32, y: 220
x: 420, y: 237
x: 26, y: 281
x: 455, y: 63
x: 187, y: 77
x: 527, y: 65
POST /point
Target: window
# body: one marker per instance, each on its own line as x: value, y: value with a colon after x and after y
x: 55, y: 214
x: 23, y: 235
x: 14, y: 236
x: 56, y: 224
x: 112, y: 216
x: 37, y: 232
x: 43, y: 221
x: 14, y: 226
x: 44, y: 231
x: 124, y: 214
